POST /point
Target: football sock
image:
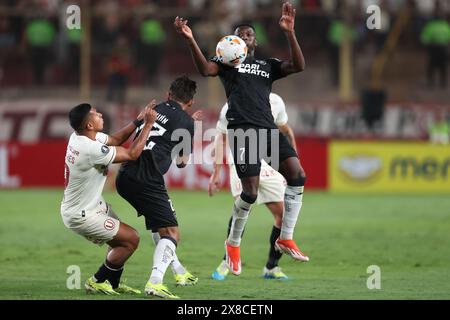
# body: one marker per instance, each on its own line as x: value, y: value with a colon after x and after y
x: 176, y: 266
x: 228, y: 233
x: 293, y: 197
x: 163, y: 256
x: 241, y: 209
x: 109, y: 271
x: 274, y: 255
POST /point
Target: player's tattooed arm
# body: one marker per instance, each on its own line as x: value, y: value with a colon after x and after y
x: 124, y: 154
x: 123, y: 134
x: 205, y: 68
x: 287, y: 23
x: 289, y: 133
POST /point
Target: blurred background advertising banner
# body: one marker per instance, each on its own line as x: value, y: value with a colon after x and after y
x: 389, y: 167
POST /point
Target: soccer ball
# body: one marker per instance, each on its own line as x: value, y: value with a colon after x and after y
x: 231, y: 51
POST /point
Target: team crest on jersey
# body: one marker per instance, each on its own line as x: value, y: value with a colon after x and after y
x: 105, y: 149
x: 109, y: 224
x: 243, y: 167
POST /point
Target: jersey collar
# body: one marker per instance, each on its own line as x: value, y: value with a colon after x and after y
x: 173, y: 104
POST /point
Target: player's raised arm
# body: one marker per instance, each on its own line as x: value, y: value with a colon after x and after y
x: 123, y: 134
x: 205, y: 68
x: 287, y: 23
x: 124, y: 154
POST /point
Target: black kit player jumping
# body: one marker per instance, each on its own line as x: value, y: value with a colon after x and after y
x: 247, y: 88
x: 141, y: 182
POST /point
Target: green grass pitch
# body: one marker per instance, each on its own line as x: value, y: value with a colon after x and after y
x: 407, y: 236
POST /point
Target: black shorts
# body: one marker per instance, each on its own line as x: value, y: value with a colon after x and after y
x: 150, y: 200
x: 249, y: 144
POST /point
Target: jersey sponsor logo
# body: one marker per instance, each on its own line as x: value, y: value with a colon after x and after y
x: 253, y: 68
x: 109, y: 224
x: 105, y: 149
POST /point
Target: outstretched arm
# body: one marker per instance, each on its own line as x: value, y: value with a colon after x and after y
x: 287, y: 23
x: 205, y: 68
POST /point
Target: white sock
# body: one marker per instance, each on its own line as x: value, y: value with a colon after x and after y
x: 163, y: 256
x: 240, y: 215
x: 176, y: 266
x: 293, y: 197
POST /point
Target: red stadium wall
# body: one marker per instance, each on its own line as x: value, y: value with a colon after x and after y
x: 32, y: 165
x: 314, y: 158
x: 33, y: 137
x: 313, y: 153
x: 41, y: 164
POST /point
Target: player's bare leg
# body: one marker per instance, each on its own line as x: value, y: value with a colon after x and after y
x: 295, y: 178
x: 107, y: 278
x: 241, y: 210
x: 162, y: 258
x: 182, y: 276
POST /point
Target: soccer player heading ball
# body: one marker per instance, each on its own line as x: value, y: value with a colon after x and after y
x: 252, y: 132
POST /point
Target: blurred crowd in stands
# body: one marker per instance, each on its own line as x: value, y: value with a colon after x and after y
x: 133, y: 41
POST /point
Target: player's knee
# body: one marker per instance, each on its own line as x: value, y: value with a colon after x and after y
x: 134, y: 240
x: 298, y: 180
x: 174, y: 233
x: 249, y: 197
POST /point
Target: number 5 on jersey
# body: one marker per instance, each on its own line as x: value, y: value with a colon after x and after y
x: 157, y: 131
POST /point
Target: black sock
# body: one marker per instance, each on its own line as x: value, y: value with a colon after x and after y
x: 228, y: 233
x: 274, y: 255
x: 102, y: 273
x: 111, y: 272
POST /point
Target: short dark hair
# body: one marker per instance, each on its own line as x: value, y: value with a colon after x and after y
x: 78, y: 115
x: 183, y: 89
x: 244, y: 24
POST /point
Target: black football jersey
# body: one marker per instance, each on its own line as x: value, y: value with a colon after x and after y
x: 157, y: 153
x: 247, y: 88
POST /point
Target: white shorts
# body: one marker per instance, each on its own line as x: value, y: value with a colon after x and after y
x: 271, y: 184
x: 99, y: 225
